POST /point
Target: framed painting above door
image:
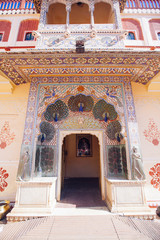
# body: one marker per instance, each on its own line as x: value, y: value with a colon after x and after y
x: 83, y: 145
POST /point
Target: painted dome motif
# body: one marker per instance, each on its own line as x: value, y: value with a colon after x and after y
x: 102, y: 107
x: 56, y: 111
x: 80, y: 100
x: 47, y: 129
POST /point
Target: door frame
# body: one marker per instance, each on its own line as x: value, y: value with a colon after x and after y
x: 99, y: 135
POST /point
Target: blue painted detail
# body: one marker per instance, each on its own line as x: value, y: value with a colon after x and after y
x: 80, y: 108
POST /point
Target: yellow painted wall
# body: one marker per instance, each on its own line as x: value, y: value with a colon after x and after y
x: 12, y: 111
x: 81, y: 166
x: 147, y: 105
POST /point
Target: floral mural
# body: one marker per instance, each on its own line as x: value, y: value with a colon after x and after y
x: 6, y: 137
x: 155, y: 174
x: 3, y: 176
x: 152, y: 134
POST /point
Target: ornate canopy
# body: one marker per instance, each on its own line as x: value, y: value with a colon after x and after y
x: 23, y: 67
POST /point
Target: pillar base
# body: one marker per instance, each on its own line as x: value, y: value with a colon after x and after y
x: 127, y: 197
x: 35, y: 198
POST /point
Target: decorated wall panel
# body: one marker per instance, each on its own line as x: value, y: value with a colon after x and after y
x: 88, y: 103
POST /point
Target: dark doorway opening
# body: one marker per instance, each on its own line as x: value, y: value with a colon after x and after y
x: 80, y: 176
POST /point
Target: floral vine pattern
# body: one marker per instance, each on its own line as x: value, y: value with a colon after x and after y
x: 155, y: 174
x: 6, y: 137
x: 3, y: 176
x: 152, y: 134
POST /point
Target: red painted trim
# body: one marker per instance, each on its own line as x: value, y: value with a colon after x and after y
x: 154, y: 25
x: 132, y: 24
x: 27, y: 25
x: 5, y: 27
x: 153, y: 206
x: 9, y: 48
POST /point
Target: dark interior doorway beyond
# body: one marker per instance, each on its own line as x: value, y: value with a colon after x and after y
x: 81, y: 192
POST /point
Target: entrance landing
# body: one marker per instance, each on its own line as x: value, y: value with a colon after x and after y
x: 81, y: 228
x: 81, y: 193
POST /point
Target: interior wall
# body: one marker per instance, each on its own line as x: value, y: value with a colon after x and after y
x: 80, y: 14
x: 103, y: 13
x: 81, y: 166
x: 56, y: 14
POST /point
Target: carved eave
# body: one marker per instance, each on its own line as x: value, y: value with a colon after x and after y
x: 24, y: 67
x: 37, y: 4
x: 122, y: 4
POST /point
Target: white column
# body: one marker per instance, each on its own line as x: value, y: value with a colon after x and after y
x: 68, y: 9
x: 14, y: 30
x: 148, y: 41
x: 44, y: 10
x: 91, y: 7
x: 129, y: 167
x: 117, y: 16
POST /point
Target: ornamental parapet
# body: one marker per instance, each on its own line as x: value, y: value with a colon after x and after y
x: 59, y: 37
x: 17, y: 7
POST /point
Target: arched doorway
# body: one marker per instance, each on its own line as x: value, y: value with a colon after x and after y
x: 80, y: 184
x: 71, y: 166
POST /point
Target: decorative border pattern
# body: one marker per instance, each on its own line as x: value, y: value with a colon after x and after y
x: 21, y: 68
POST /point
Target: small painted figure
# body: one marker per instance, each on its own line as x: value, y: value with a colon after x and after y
x: 83, y: 147
x: 137, y: 166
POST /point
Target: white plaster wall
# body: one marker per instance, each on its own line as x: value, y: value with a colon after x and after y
x: 147, y: 105
x: 12, y: 110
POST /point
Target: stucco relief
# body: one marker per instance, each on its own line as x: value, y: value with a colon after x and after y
x: 155, y: 174
x: 152, y: 134
x: 6, y: 137
x: 3, y: 176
